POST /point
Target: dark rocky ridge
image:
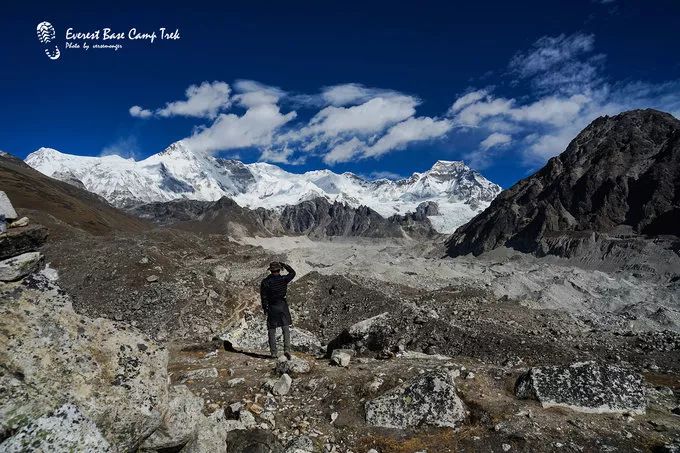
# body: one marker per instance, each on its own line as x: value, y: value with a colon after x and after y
x: 315, y: 218
x: 55, y: 203
x: 620, y: 177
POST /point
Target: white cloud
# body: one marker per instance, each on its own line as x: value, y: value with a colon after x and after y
x: 559, y: 63
x: 352, y: 93
x: 495, y: 139
x: 407, y: 132
x: 252, y: 93
x: 370, y: 117
x: 467, y: 99
x: 255, y: 127
x: 139, y: 112
x: 281, y: 156
x: 566, y: 92
x: 127, y: 147
x: 385, y: 175
x: 474, y: 112
x: 203, y: 101
x: 344, y: 152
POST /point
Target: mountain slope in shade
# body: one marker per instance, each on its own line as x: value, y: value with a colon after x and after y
x: 179, y: 173
x: 316, y: 218
x: 620, y: 176
x: 50, y: 201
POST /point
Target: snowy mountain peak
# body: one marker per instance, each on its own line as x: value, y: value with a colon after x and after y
x: 178, y: 172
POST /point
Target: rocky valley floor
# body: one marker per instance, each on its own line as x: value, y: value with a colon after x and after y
x: 483, y: 322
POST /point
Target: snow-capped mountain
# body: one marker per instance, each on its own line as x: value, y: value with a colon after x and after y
x: 178, y: 172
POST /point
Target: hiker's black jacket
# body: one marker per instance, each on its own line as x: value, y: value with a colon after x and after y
x: 273, y: 295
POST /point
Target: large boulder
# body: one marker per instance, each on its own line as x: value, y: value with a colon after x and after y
x: 64, y: 430
x: 16, y: 241
x: 50, y: 356
x: 179, y: 422
x: 584, y: 387
x: 428, y: 399
x: 251, y: 336
x: 375, y: 333
x: 20, y: 266
x: 6, y: 208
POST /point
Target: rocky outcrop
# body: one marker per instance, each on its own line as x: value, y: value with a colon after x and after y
x: 184, y: 427
x: 620, y: 175
x: 584, y: 387
x: 51, y: 356
x: 429, y: 399
x: 65, y: 429
x: 179, y: 422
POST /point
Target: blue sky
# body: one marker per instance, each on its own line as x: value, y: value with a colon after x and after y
x: 377, y: 88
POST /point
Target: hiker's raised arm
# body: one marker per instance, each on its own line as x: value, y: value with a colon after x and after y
x: 290, y: 270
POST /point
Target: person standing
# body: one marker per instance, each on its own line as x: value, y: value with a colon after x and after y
x: 273, y: 296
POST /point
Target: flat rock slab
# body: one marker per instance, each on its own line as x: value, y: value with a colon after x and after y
x: 584, y: 387
x: 251, y: 336
x: 428, y: 399
x: 18, y: 267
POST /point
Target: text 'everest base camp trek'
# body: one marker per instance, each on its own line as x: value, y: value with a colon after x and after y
x: 187, y: 303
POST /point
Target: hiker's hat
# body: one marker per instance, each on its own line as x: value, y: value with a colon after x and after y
x: 274, y: 266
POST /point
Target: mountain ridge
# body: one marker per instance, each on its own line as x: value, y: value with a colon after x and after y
x: 620, y: 177
x: 178, y: 172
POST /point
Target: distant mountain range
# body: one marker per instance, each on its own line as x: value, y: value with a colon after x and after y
x: 179, y: 173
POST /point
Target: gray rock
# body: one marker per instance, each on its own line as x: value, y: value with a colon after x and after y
x: 65, y: 430
x: 236, y: 381
x: 301, y: 444
x: 21, y: 240
x: 221, y: 273
x: 152, y: 278
x: 52, y: 356
x: 246, y: 418
x: 6, y: 208
x: 179, y: 422
x: 211, y: 435
x: 201, y: 373
x: 341, y: 357
x: 17, y: 267
x: 282, y: 385
x: 429, y: 399
x: 293, y: 366
x: 22, y: 222
x: 584, y: 387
